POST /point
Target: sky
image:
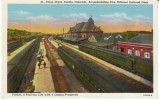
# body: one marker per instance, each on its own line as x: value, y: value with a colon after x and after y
x: 52, y: 18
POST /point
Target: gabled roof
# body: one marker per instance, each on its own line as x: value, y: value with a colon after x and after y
x: 106, y: 39
x: 96, y: 36
x: 79, y: 26
x: 85, y: 27
x: 142, y: 39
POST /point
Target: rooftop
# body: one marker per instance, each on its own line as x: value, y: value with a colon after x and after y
x: 104, y: 39
x: 142, y: 39
x: 85, y: 27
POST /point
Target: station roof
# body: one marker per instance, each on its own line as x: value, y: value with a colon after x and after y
x: 143, y: 39
x: 85, y: 26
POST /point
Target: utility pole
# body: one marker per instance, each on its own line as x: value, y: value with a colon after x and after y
x: 63, y: 30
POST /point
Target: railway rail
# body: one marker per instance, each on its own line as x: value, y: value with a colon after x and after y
x: 60, y: 83
x: 106, y: 65
x: 16, y: 74
x: 98, y: 79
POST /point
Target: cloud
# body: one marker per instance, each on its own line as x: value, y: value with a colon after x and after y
x: 41, y: 18
x: 77, y: 15
x: 124, y: 18
x: 21, y: 12
x: 114, y: 22
x: 116, y: 16
x: 142, y: 17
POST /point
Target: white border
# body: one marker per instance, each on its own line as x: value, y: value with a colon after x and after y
x: 0, y: 45
x: 83, y: 95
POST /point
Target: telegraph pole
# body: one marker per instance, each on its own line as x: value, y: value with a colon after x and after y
x: 63, y: 30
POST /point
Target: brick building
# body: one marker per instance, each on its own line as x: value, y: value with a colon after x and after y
x: 141, y: 46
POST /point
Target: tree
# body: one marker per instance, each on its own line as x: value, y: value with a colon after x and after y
x: 128, y: 35
x: 15, y: 34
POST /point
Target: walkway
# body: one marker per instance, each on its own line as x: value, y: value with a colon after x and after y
x: 43, y: 81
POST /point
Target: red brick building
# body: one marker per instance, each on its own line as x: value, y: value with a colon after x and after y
x: 141, y: 46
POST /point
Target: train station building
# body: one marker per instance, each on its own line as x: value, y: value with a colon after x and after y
x: 85, y: 27
x: 81, y: 31
x: 141, y: 46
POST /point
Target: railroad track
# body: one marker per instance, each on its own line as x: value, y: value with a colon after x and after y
x: 96, y: 78
x: 60, y: 82
x: 119, y: 70
x: 13, y: 46
x: 16, y: 74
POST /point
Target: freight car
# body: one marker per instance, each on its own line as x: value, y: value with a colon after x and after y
x: 96, y: 78
x: 142, y: 67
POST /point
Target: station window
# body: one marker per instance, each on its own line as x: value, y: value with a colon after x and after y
x: 130, y: 51
x: 137, y: 53
x: 147, y: 55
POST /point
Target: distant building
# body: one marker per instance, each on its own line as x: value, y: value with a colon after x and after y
x: 141, y: 46
x: 105, y: 40
x: 85, y: 27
